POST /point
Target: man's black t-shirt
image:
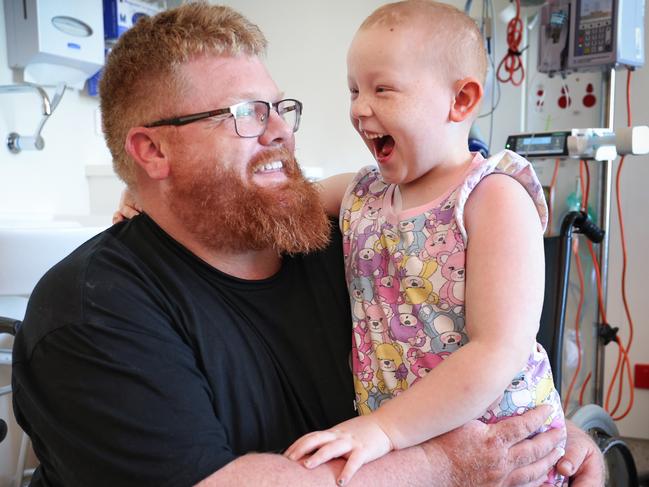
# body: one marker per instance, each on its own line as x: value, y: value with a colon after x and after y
x: 140, y: 364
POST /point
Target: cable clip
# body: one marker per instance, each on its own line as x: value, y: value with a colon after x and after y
x: 607, y: 333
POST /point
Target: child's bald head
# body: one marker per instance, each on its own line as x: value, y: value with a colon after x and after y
x: 455, y: 44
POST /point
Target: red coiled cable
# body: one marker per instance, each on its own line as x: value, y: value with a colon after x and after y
x: 511, y: 65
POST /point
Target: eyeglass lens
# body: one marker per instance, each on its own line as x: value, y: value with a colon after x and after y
x: 251, y: 118
x: 289, y: 110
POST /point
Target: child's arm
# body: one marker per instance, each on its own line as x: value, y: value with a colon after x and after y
x: 332, y: 191
x: 504, y: 296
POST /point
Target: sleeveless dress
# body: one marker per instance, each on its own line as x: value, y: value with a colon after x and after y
x: 405, y: 272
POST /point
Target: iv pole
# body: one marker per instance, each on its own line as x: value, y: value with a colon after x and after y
x: 605, y: 173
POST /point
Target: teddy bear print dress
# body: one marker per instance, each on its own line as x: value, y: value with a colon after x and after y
x: 405, y: 274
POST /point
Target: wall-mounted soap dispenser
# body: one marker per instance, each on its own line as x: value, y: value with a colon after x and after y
x: 55, y: 42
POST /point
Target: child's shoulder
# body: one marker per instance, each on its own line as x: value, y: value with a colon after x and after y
x: 507, y: 162
x: 519, y: 172
x: 368, y: 172
x: 368, y: 180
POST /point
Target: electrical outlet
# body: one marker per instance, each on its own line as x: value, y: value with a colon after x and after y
x: 641, y: 376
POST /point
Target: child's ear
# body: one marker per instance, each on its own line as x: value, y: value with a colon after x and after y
x: 468, y: 94
x: 144, y: 146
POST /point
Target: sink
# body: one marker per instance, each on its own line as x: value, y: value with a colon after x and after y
x: 28, y: 248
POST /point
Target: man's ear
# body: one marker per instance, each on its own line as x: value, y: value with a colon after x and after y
x: 468, y: 94
x: 144, y: 146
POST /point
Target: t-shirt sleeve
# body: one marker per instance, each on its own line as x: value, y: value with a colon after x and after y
x: 115, y: 397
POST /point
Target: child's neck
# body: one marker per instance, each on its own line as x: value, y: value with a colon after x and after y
x: 442, y: 176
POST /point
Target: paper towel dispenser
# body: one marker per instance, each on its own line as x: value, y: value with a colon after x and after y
x: 55, y: 42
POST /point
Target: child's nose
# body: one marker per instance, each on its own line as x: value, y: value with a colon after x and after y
x: 360, y: 107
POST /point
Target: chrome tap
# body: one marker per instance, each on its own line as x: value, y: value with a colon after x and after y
x: 47, y: 106
x: 16, y: 142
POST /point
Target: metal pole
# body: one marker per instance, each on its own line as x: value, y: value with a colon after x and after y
x: 605, y: 173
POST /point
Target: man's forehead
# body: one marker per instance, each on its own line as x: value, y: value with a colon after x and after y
x: 229, y: 79
x: 237, y: 96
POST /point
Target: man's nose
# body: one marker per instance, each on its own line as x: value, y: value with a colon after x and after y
x: 277, y: 130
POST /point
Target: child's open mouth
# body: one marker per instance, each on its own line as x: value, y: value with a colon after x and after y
x: 383, y: 145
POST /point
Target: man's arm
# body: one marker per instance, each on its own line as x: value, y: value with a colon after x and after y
x: 106, y: 387
x: 97, y: 418
x: 332, y: 190
x: 473, y: 455
x: 266, y: 470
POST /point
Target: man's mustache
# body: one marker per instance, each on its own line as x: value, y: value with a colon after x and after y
x: 291, y: 167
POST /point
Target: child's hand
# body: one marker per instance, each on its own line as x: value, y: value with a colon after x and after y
x: 360, y: 440
x: 128, y: 207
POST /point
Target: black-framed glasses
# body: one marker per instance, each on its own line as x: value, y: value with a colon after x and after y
x: 250, y: 117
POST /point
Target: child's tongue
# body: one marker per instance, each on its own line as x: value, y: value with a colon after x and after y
x: 384, y: 147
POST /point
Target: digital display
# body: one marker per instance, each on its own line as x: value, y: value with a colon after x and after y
x: 595, y: 9
x: 537, y: 140
x: 594, y: 28
x: 539, y: 145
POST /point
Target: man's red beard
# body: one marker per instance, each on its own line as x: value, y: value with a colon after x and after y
x: 227, y: 214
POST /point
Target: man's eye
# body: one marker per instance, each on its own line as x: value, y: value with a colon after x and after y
x: 245, y: 112
x: 381, y: 89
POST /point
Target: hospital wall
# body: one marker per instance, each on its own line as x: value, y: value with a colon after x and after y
x: 308, y: 43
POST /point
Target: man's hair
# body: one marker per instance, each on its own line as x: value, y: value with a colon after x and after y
x: 455, y: 40
x: 141, y: 81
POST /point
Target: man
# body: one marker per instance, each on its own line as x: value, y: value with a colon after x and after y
x: 168, y: 349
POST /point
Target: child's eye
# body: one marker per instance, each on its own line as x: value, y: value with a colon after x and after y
x: 381, y: 89
x: 353, y: 92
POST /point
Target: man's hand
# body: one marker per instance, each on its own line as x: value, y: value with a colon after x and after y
x: 128, y: 207
x: 498, y: 455
x: 583, y: 461
x: 360, y: 440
